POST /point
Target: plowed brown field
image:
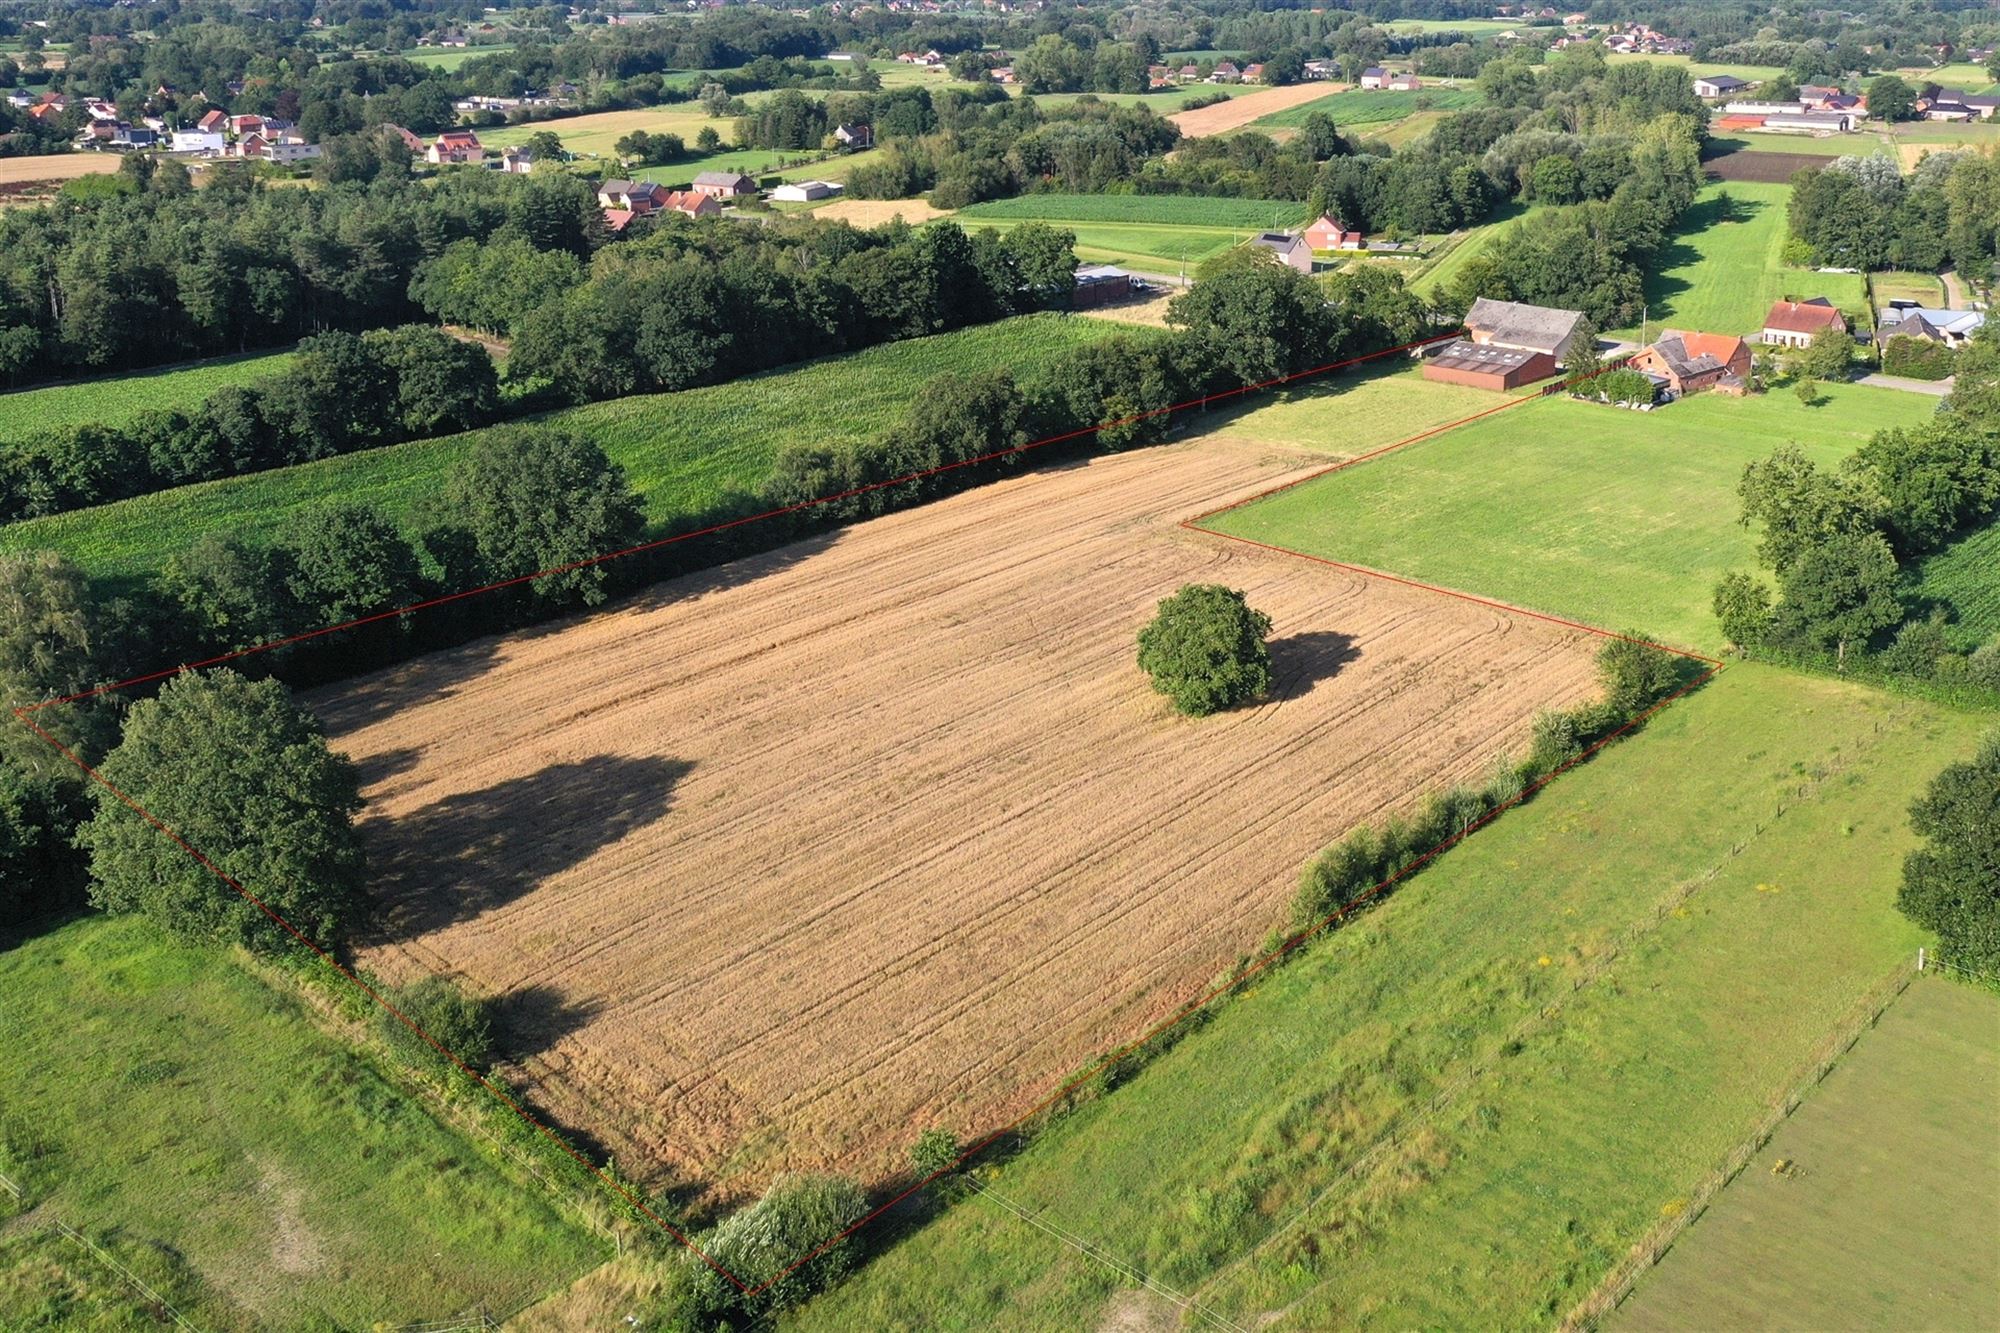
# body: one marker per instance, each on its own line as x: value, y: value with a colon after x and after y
x: 790, y: 861
x: 1243, y: 108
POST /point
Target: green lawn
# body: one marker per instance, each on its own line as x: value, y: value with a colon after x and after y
x: 168, y: 1094
x: 1742, y: 936
x: 51, y: 1281
x: 1618, y: 519
x: 1371, y: 106
x: 1888, y: 1212
x: 1721, y: 276
x: 1966, y: 576
x: 1174, y: 210
x: 688, y: 453
x: 116, y: 399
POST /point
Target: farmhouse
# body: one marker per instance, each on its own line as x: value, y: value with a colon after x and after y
x: 725, y: 185
x: 1530, y: 328
x: 1374, y: 77
x: 406, y: 138
x: 456, y: 146
x: 799, y: 192
x: 1953, y: 328
x: 1720, y: 85
x: 1691, y: 362
x: 1290, y: 248
x: 1793, y: 323
x: 855, y: 136
x: 516, y: 161
x: 1403, y: 83
x: 1330, y: 233
x: 1487, y: 365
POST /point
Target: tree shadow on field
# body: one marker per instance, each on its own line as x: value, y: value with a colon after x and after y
x: 530, y: 1020
x: 1301, y: 661
x: 467, y: 854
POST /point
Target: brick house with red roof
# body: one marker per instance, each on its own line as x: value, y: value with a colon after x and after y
x: 1793, y: 323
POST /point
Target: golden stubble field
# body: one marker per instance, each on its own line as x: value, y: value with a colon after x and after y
x: 1243, y: 108
x: 784, y: 863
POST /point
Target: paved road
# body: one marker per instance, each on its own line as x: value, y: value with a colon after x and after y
x: 1935, y: 388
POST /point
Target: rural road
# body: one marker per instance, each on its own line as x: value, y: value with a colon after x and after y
x: 1935, y: 388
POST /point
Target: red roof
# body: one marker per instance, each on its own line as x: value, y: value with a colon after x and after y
x: 1804, y: 316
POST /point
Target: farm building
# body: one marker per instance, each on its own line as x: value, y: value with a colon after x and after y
x: 1531, y: 328
x: 1330, y: 233
x: 1951, y: 327
x: 804, y: 192
x: 1403, y: 83
x: 1374, y: 77
x: 1101, y: 284
x: 1290, y: 248
x: 1487, y: 365
x: 725, y: 185
x: 1793, y: 323
x: 1692, y: 362
x: 1720, y: 85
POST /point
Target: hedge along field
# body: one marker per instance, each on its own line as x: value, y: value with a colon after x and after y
x: 1573, y: 1131
x: 1721, y: 277
x: 167, y: 1093
x: 1372, y: 106
x: 1966, y: 575
x: 1623, y: 520
x: 1177, y: 210
x: 687, y: 453
x: 117, y: 399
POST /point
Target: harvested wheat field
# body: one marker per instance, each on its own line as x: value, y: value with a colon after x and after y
x: 1243, y: 108
x: 787, y: 862
x: 875, y: 212
x: 56, y: 167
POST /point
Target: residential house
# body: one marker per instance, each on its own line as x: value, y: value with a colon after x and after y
x: 242, y: 125
x: 213, y: 122
x: 1938, y: 103
x: 1487, y: 366
x: 455, y: 146
x: 1532, y: 328
x: 632, y: 196
x: 725, y: 185
x: 854, y: 137
x: 1253, y: 73
x: 1692, y: 362
x: 406, y: 138
x: 1322, y: 69
x: 250, y: 145
x: 1720, y: 85
x: 1374, y: 77
x: 1290, y: 248
x: 1330, y: 233
x: 1189, y: 73
x: 205, y: 142
x: 800, y: 192
x: 1793, y: 323
x: 1403, y: 83
x: 693, y: 203
x: 287, y: 149
x: 616, y: 220
x: 1001, y: 74
x: 125, y: 136
x: 1951, y: 327
x: 1226, y: 72
x: 516, y: 161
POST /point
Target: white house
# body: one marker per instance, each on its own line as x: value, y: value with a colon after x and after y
x: 199, y: 141
x: 805, y: 192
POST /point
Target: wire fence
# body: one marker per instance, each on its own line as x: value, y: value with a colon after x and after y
x: 110, y: 1261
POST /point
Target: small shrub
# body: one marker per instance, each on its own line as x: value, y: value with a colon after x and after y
x: 1917, y: 358
x: 1555, y: 743
x: 457, y: 1021
x: 1205, y: 649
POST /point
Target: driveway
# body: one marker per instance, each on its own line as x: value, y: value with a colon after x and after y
x: 1935, y: 388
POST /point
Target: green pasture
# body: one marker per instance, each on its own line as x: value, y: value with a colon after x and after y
x: 1834, y: 145
x: 1173, y: 210
x: 1696, y: 69
x: 1721, y: 276
x: 1139, y: 245
x: 1966, y: 577
x: 1456, y: 254
x: 451, y: 57
x: 1370, y: 106
x: 49, y: 1280
x: 1620, y: 519
x: 1470, y: 27
x: 689, y: 453
x: 1963, y: 76
x: 1164, y: 101
x: 168, y: 1094
x: 1738, y: 858
x: 1924, y: 288
x: 1876, y: 1205
x: 1348, y: 413
x: 114, y: 400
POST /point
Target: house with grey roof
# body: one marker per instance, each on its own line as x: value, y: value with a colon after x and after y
x: 1290, y: 248
x: 1533, y: 328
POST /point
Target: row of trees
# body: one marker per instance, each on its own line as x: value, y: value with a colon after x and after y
x: 342, y: 392
x: 1863, y: 212
x: 1835, y: 540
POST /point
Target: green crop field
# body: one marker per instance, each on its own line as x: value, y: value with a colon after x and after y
x: 1163, y: 101
x: 1585, y: 1095
x: 1162, y: 209
x: 1886, y: 1213
x: 1624, y: 520
x: 451, y: 57
x: 1470, y: 27
x: 1140, y: 245
x: 688, y: 453
x: 1966, y: 575
x: 1721, y: 276
x: 169, y: 1094
x: 1369, y: 106
x: 117, y: 399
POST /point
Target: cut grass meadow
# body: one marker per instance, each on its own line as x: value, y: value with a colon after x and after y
x: 1371, y: 106
x: 1623, y: 520
x: 1608, y: 988
x: 115, y: 400
x: 167, y: 1094
x: 1876, y: 1205
x: 1721, y: 277
x: 688, y: 454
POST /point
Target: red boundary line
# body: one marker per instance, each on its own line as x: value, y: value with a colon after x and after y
x: 1063, y: 1090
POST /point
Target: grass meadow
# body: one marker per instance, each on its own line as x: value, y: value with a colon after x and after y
x: 1348, y: 413
x: 114, y: 400
x: 1623, y: 520
x: 1443, y: 270
x: 1148, y: 247
x: 1371, y: 106
x: 1966, y: 576
x: 169, y: 1095
x: 1876, y: 1205
x: 1173, y: 210
x: 1606, y: 989
x: 1923, y: 288
x: 1721, y: 276
x: 451, y: 57
x: 687, y: 453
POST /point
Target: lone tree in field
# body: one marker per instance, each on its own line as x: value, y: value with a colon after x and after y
x: 1952, y: 883
x: 239, y: 771
x: 1205, y: 649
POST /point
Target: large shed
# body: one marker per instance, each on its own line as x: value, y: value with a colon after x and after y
x: 1488, y: 365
